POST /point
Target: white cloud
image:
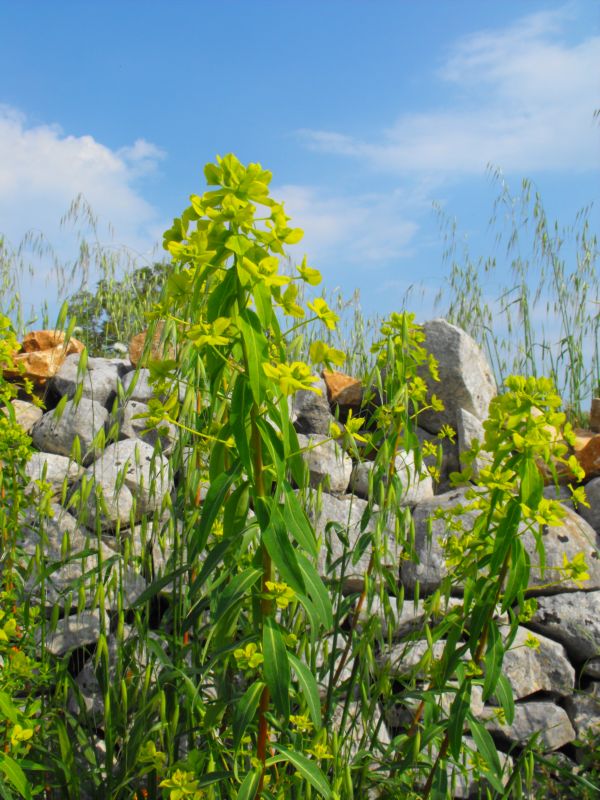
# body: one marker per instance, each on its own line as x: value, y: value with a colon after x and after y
x: 522, y: 98
x: 359, y: 231
x: 42, y: 170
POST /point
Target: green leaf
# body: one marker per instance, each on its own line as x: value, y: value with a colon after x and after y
x: 235, y: 591
x: 457, y: 715
x: 308, y: 769
x: 504, y: 696
x: 245, y: 711
x: 486, y: 749
x: 532, y: 483
x: 241, y: 404
x: 518, y: 576
x: 279, y: 547
x: 15, y: 775
x: 257, y: 352
x: 493, y: 660
x: 7, y: 708
x: 316, y: 591
x: 222, y: 297
x: 297, y: 522
x: 276, y: 666
x: 238, y: 244
x: 217, y: 492
x: 247, y: 790
x: 158, y: 585
x: 310, y: 689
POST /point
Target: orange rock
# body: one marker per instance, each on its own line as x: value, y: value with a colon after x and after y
x: 343, y: 390
x: 587, y: 452
x: 42, y: 355
x: 157, y: 351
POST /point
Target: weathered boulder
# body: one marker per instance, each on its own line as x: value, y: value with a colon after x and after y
x: 133, y: 426
x: 311, y: 412
x: 76, y: 630
x: 583, y: 708
x: 42, y: 355
x: 54, y: 469
x: 135, y: 464
x: 572, y: 619
x: 328, y: 465
x: 416, y: 485
x: 26, y: 414
x: 466, y: 380
x: 592, y: 514
x: 55, y: 433
x: 547, y: 719
x: 337, y: 522
x: 544, y: 668
x: 99, y: 381
x: 137, y: 385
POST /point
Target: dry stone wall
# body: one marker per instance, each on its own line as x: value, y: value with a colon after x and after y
x: 124, y: 488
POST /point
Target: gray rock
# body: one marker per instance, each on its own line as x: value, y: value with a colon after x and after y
x: 551, y: 721
x: 311, y: 412
x: 145, y: 474
x: 469, y: 429
x: 591, y: 668
x: 417, y: 487
x: 76, y: 630
x: 104, y: 503
x: 542, y: 669
x: 592, y: 514
x: 71, y: 556
x: 54, y: 434
x: 53, y: 469
x: 430, y: 568
x: 137, y: 386
x: 99, y: 381
x: 328, y: 465
x: 131, y: 426
x: 466, y: 380
x: 573, y: 619
x: 572, y: 537
x: 583, y: 709
x: 345, y: 514
x: 27, y: 414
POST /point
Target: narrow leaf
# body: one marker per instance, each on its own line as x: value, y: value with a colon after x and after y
x: 276, y: 666
x: 245, y: 711
x: 315, y: 588
x: 279, y: 547
x: 256, y: 351
x: 309, y: 771
x: 247, y: 790
x: 297, y: 522
x: 310, y: 689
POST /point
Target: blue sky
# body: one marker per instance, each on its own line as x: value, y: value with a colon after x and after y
x: 366, y: 112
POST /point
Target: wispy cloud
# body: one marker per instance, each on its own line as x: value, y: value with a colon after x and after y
x: 42, y: 170
x: 522, y: 98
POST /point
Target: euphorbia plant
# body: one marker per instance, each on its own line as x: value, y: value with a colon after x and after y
x: 229, y: 304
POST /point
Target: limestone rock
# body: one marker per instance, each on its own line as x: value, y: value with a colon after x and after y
x: 76, y: 630
x: 311, y: 412
x: 42, y: 355
x: 469, y: 429
x: 550, y: 720
x: 56, y: 434
x: 583, y: 709
x: 105, y: 504
x: 327, y: 463
x: 592, y: 514
x: 99, y: 381
x: 572, y: 619
x: 417, y: 487
x: 146, y: 475
x: 542, y: 669
x: 571, y: 537
x: 345, y: 515
x: 137, y: 386
x: 26, y: 414
x: 466, y: 379
x: 430, y: 568
x: 132, y: 426
x: 53, y: 469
